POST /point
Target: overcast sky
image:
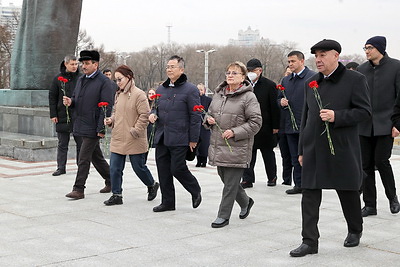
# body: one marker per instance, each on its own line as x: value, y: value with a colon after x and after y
x: 130, y: 26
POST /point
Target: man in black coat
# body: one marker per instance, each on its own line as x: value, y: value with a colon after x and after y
x: 177, y: 131
x: 266, y: 138
x: 91, y: 89
x: 345, y: 103
x: 63, y: 85
x: 376, y: 134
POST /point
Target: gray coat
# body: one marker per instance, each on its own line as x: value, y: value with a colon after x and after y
x: 346, y: 93
x: 241, y: 113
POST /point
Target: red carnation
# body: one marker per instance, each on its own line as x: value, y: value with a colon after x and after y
x: 313, y: 84
x: 280, y: 87
x: 155, y: 96
x: 102, y: 104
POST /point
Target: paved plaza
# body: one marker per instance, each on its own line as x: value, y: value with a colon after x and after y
x: 40, y: 227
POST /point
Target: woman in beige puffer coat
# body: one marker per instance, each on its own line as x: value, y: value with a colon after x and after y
x: 129, y: 121
x: 234, y: 114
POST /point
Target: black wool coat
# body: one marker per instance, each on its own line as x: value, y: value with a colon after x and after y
x: 266, y: 93
x: 346, y: 93
x: 57, y: 108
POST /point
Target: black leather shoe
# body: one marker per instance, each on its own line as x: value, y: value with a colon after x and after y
x: 219, y: 223
x: 152, y: 191
x: 303, y: 250
x: 352, y: 240
x: 58, y: 172
x: 198, y: 164
x: 196, y: 201
x: 162, y: 207
x: 246, y: 185
x: 294, y: 190
x: 394, y: 205
x: 367, y: 211
x: 272, y: 182
x: 244, y: 215
x: 113, y: 200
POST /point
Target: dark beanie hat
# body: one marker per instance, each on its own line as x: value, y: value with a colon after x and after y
x: 89, y: 55
x: 379, y: 42
x: 326, y: 45
x: 253, y: 63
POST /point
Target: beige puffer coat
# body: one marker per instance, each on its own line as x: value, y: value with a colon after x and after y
x: 241, y: 113
x: 129, y: 121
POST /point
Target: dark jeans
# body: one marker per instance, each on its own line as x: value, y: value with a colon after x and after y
x: 62, y: 149
x: 117, y: 165
x: 310, y: 203
x: 171, y: 162
x: 376, y: 151
x: 268, y: 155
x: 91, y: 153
x: 287, y: 167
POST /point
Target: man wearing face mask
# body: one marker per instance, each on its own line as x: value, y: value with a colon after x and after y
x: 266, y: 138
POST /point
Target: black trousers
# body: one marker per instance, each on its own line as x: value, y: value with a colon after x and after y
x: 171, y: 162
x: 310, y: 203
x: 62, y: 149
x: 376, y: 151
x: 268, y: 155
x: 287, y: 167
x: 91, y: 153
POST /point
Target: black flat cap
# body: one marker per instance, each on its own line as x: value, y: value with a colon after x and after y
x: 326, y: 45
x: 89, y: 55
x: 253, y: 63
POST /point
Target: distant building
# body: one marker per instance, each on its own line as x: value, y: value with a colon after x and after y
x: 9, y: 16
x: 247, y: 38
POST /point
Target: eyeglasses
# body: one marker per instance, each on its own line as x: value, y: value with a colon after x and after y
x: 369, y: 48
x: 171, y: 67
x: 232, y: 72
x: 118, y: 80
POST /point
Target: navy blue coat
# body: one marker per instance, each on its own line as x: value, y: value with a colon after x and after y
x: 294, y: 91
x: 88, y: 117
x: 177, y: 123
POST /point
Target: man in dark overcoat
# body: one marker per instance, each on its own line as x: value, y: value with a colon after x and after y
x: 376, y: 134
x: 266, y: 139
x: 345, y: 103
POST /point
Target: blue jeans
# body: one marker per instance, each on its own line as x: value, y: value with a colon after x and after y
x: 117, y: 165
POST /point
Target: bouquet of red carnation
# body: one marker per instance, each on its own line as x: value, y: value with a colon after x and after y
x: 63, y: 82
x: 314, y: 85
x: 154, y: 105
x: 292, y: 118
x: 200, y: 108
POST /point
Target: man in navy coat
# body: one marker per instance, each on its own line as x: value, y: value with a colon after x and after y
x: 177, y: 130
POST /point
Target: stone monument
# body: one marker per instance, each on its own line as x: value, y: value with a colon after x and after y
x: 47, y: 31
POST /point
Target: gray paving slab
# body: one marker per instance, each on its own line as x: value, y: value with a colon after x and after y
x: 40, y: 227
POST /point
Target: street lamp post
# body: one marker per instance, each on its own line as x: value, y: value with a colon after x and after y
x: 206, y: 64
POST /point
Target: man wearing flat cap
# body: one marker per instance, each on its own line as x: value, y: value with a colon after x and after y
x: 92, y: 88
x: 345, y: 103
x: 266, y: 139
x: 376, y: 134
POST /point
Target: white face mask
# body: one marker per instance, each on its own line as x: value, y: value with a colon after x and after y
x: 252, y: 76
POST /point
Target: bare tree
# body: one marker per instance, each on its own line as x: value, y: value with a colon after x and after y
x: 5, y: 56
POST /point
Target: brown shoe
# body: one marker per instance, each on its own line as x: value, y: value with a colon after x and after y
x: 75, y: 195
x: 106, y: 189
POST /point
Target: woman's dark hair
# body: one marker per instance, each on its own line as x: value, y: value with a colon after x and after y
x: 126, y: 71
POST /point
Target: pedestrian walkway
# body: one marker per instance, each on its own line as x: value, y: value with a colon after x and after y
x: 40, y: 227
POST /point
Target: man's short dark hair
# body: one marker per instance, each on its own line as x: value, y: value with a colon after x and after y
x: 352, y: 65
x: 106, y: 70
x: 180, y: 60
x: 299, y: 54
